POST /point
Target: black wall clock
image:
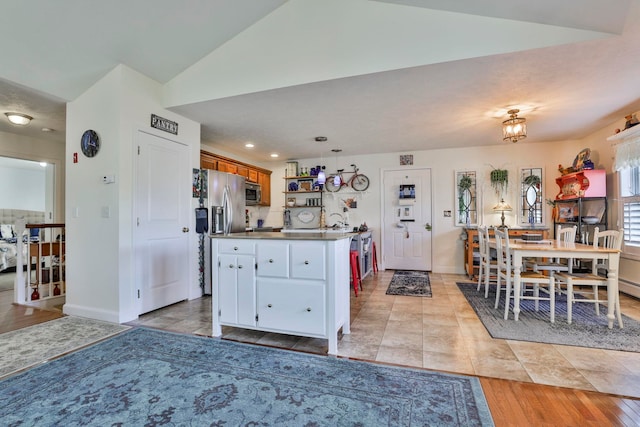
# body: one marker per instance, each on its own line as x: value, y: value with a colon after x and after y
x: 90, y: 143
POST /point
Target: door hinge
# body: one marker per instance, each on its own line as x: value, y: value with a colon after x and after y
x: 256, y: 265
x: 256, y: 317
x: 138, y: 150
x: 218, y: 263
x: 219, y: 312
x: 138, y: 293
x: 138, y: 222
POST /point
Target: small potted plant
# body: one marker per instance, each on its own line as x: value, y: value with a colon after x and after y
x: 532, y: 180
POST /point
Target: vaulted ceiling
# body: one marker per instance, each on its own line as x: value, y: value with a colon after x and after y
x: 372, y: 76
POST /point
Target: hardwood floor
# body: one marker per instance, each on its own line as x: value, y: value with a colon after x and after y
x: 19, y: 316
x: 512, y: 403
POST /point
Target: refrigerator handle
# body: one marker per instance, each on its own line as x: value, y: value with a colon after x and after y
x: 228, y: 210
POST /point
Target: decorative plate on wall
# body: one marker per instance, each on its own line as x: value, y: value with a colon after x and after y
x: 306, y: 216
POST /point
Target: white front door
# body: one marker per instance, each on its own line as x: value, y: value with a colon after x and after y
x: 406, y: 242
x: 162, y: 217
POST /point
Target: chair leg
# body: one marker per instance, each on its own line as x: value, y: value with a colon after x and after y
x: 595, y: 297
x: 618, y: 312
x: 507, y: 299
x: 569, y: 299
x: 486, y: 282
x: 498, y: 286
x: 552, y: 299
x: 480, y: 279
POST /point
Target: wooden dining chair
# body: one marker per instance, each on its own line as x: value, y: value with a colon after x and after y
x: 584, y: 287
x: 531, y: 283
x: 488, y: 268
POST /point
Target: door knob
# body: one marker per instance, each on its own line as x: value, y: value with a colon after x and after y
x: 185, y: 229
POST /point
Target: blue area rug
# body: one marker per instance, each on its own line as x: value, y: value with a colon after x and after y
x: 586, y: 329
x: 151, y: 377
x: 410, y: 283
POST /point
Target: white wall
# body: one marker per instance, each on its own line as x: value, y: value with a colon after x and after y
x: 100, y: 270
x: 21, y: 147
x: 443, y: 163
x: 22, y: 186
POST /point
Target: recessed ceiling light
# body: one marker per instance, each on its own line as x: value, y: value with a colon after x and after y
x: 274, y: 155
x: 47, y: 130
x: 43, y: 164
x: 18, y: 118
x: 249, y: 145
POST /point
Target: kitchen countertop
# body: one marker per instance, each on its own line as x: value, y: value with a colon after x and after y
x: 285, y: 236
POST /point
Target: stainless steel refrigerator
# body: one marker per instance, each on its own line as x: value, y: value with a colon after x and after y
x: 225, y: 199
x: 225, y: 195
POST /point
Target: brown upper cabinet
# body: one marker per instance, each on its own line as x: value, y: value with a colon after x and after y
x: 252, y: 173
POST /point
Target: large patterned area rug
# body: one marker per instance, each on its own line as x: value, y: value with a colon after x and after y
x: 586, y: 329
x: 152, y: 377
x: 29, y: 346
x: 410, y: 283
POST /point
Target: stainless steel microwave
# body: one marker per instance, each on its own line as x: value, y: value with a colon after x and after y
x: 253, y: 193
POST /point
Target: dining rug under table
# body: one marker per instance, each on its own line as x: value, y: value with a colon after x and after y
x: 586, y: 330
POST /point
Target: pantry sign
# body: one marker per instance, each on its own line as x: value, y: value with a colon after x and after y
x: 164, y: 124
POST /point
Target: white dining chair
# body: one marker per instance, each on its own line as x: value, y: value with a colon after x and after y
x: 565, y: 235
x: 584, y: 287
x: 537, y: 281
x: 488, y: 268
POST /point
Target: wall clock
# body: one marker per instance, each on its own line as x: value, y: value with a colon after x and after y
x: 90, y: 143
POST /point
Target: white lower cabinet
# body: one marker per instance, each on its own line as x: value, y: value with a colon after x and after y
x: 236, y: 290
x: 293, y: 306
x: 298, y: 287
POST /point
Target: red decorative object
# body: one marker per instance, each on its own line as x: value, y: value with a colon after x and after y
x: 35, y: 294
x: 586, y: 183
x: 56, y: 290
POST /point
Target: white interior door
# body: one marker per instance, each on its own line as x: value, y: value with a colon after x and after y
x: 162, y: 220
x: 406, y: 243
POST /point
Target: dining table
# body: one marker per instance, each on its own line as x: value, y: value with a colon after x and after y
x: 520, y: 250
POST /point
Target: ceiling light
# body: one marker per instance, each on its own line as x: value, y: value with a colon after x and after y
x: 43, y: 164
x: 249, y: 145
x: 18, y: 118
x: 47, y: 130
x: 514, y: 128
x: 274, y: 155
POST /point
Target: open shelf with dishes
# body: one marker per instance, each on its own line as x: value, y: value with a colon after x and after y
x: 586, y: 213
x: 303, y: 194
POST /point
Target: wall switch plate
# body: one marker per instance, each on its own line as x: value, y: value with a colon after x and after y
x: 106, y: 212
x: 108, y: 179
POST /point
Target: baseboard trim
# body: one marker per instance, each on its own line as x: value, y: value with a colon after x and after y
x: 91, y: 313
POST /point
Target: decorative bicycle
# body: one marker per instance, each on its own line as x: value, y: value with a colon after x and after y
x: 358, y: 181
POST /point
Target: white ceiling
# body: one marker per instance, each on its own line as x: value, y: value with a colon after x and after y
x: 372, y: 76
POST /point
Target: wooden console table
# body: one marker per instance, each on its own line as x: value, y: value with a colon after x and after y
x: 471, y: 245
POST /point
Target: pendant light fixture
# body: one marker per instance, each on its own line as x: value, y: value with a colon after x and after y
x: 514, y: 128
x: 322, y: 178
x: 337, y: 181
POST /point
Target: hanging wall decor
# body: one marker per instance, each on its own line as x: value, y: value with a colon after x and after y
x: 466, y: 199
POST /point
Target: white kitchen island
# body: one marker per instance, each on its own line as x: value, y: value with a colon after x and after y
x: 295, y: 284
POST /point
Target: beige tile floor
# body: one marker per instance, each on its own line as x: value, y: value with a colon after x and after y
x: 441, y: 333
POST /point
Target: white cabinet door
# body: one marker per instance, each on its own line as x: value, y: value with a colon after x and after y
x: 295, y: 306
x: 236, y: 290
x: 308, y: 260
x: 228, y: 289
x: 273, y: 259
